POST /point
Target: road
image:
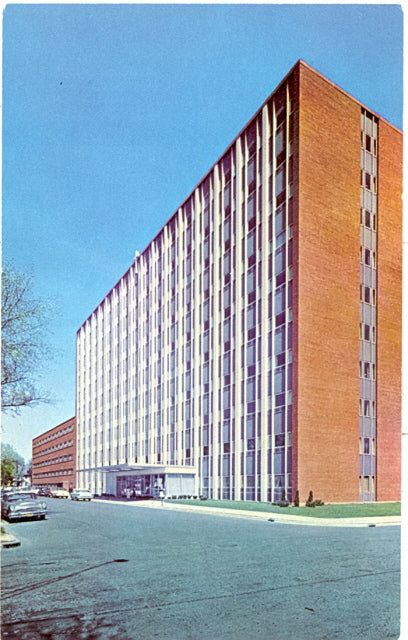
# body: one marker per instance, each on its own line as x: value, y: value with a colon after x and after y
x: 100, y: 571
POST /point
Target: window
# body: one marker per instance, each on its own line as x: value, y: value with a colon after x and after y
x: 280, y: 440
x: 280, y: 220
x: 227, y: 264
x: 280, y: 260
x: 251, y: 389
x: 279, y: 141
x: 227, y: 364
x: 251, y: 317
x: 251, y: 245
x: 251, y: 281
x: 280, y: 302
x: 227, y: 198
x: 227, y: 297
x: 251, y: 173
x: 368, y: 145
x: 280, y: 180
x: 227, y: 232
x: 367, y: 219
x: 366, y: 408
x: 251, y: 210
x: 367, y: 257
x: 206, y: 252
x: 280, y: 340
x: 251, y: 353
x: 279, y: 381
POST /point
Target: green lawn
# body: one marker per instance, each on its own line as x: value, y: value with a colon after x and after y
x: 354, y: 510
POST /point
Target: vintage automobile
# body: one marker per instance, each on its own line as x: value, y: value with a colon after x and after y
x: 19, y: 505
x: 81, y: 494
x: 45, y: 491
x: 59, y: 493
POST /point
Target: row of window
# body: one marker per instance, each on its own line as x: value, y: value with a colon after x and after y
x: 56, y: 447
x: 52, y: 461
x: 52, y: 474
x: 56, y: 434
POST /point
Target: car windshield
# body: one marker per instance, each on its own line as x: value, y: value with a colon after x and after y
x: 21, y: 496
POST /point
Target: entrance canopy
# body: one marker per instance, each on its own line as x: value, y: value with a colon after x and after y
x: 145, y: 468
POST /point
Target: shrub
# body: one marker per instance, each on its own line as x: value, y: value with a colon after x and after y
x: 282, y: 502
x: 297, y: 500
x: 313, y: 503
x: 310, y: 501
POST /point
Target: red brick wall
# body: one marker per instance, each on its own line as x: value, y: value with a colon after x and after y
x: 67, y: 480
x: 389, y: 294
x: 326, y: 308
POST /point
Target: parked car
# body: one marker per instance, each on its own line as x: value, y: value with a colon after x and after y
x: 35, y: 490
x: 59, y: 493
x: 7, y: 490
x: 81, y: 494
x: 18, y: 505
x: 45, y: 491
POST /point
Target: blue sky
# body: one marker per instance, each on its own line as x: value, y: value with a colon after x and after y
x: 113, y: 113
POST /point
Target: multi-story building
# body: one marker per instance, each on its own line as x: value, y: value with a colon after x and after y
x: 254, y: 346
x: 54, y: 456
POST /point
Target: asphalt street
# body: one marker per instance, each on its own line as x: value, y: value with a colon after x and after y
x: 109, y: 571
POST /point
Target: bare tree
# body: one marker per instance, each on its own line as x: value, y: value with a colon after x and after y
x: 23, y: 350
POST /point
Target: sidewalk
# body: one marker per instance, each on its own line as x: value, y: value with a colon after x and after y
x: 8, y: 540
x: 282, y: 518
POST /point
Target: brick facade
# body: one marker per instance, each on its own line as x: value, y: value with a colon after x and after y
x: 389, y: 313
x: 54, y: 456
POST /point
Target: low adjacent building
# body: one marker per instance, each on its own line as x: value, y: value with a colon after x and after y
x: 54, y: 456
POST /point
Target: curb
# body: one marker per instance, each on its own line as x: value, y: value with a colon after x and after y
x: 268, y: 516
x: 8, y: 541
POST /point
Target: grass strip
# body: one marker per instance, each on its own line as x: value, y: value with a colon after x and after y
x: 351, y: 510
